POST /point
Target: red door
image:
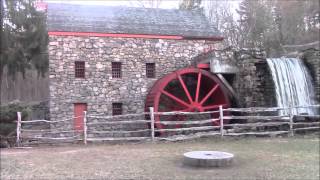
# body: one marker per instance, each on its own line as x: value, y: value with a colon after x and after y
x: 78, y: 115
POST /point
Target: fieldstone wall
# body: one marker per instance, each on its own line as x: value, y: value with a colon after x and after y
x: 251, y: 80
x: 98, y: 89
x: 311, y: 58
x: 253, y: 83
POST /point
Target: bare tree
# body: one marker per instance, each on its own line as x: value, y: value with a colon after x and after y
x: 190, y: 4
x: 147, y: 3
x: 222, y: 17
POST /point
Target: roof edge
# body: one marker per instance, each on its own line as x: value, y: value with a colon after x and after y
x: 122, y: 35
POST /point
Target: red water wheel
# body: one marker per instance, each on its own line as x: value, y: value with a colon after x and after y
x: 187, y: 90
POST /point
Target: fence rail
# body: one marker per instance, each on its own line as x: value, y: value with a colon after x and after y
x: 197, y: 127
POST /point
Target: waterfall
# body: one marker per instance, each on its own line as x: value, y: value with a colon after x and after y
x: 293, y: 85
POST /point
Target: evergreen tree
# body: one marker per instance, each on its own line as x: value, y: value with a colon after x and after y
x: 255, y: 21
x: 23, y: 38
x: 271, y: 24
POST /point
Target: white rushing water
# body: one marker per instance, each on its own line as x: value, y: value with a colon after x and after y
x: 292, y: 84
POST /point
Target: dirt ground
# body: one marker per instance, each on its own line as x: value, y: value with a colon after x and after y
x: 255, y: 158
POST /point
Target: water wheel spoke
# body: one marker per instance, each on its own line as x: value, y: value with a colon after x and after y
x: 185, y: 88
x: 175, y: 98
x: 198, y: 87
x: 209, y: 94
x: 213, y: 106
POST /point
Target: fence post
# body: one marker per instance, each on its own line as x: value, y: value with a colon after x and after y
x: 152, y: 122
x: 291, y: 121
x: 18, y: 128
x: 221, y: 120
x: 85, y: 128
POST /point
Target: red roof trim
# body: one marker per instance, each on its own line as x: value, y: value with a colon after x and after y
x: 113, y: 35
x: 148, y: 36
x: 215, y: 38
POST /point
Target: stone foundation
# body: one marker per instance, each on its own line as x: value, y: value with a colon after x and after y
x: 253, y: 84
x: 311, y: 58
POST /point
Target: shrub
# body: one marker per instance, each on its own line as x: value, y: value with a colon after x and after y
x: 8, y: 117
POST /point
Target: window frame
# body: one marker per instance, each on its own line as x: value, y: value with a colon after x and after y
x: 151, y: 70
x: 80, y: 69
x: 117, y: 108
x: 116, y: 69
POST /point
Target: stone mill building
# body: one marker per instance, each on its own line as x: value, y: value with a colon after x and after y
x: 122, y: 60
x: 105, y: 59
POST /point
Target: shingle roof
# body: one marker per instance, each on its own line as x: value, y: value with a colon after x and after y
x: 129, y: 20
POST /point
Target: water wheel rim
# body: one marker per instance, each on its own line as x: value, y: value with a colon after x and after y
x: 194, y: 103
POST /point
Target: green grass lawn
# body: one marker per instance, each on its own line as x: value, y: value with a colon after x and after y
x: 255, y: 158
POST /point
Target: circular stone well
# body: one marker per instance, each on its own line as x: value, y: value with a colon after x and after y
x: 207, y: 158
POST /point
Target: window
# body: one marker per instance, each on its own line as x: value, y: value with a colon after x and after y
x: 150, y: 70
x: 79, y: 69
x: 116, y: 109
x: 116, y: 69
